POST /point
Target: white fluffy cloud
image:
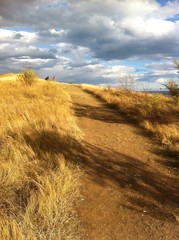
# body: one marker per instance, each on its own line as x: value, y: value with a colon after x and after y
x: 151, y: 27
x: 14, y: 36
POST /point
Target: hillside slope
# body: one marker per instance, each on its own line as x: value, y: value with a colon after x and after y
x: 38, y: 188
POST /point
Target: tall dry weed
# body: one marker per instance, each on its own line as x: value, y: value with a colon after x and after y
x: 38, y: 187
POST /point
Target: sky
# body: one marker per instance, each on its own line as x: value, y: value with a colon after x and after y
x: 94, y: 41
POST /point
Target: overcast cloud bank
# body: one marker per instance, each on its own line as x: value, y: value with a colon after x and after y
x: 94, y: 42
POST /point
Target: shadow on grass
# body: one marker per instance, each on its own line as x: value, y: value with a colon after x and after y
x: 142, y: 187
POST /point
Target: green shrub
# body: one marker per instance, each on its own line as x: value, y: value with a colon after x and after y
x: 27, y: 77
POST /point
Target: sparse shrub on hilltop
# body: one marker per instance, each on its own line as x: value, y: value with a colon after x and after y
x: 28, y: 77
x: 127, y: 82
x: 173, y: 85
x: 173, y: 88
x: 177, y: 65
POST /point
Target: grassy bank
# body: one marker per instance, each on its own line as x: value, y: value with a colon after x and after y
x: 156, y: 113
x: 37, y: 186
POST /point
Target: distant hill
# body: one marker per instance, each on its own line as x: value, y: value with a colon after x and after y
x: 164, y: 92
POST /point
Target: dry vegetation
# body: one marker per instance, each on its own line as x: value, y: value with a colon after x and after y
x: 8, y: 76
x: 37, y: 186
x: 154, y: 112
x: 28, y: 77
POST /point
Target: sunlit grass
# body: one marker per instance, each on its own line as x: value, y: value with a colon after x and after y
x: 8, y: 77
x: 37, y: 185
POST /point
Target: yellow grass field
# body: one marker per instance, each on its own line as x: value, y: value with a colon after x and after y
x: 38, y: 187
x: 156, y: 113
x: 8, y: 77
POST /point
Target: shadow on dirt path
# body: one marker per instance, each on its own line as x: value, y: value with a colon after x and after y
x: 143, y: 187
x: 104, y: 114
x: 127, y: 192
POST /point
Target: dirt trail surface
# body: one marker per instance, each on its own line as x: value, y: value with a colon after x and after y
x: 128, y: 192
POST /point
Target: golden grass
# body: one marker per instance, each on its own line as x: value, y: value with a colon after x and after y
x: 8, y: 77
x: 37, y: 186
x: 154, y: 112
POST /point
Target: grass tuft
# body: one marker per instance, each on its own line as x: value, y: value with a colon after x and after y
x: 27, y: 77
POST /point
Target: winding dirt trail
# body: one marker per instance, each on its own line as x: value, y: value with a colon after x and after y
x: 128, y: 192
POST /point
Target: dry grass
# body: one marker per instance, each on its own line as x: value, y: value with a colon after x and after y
x: 28, y: 77
x: 154, y: 112
x: 8, y: 77
x: 37, y: 186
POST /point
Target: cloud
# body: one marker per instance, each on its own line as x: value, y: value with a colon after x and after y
x: 170, y: 10
x: 83, y: 39
x: 159, y: 72
x: 30, y: 52
x: 92, y: 74
x: 161, y: 80
x: 23, y: 37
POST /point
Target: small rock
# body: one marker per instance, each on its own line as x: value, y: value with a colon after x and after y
x: 177, y: 218
x: 176, y: 215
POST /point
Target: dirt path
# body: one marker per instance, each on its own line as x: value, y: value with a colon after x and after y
x: 127, y: 193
